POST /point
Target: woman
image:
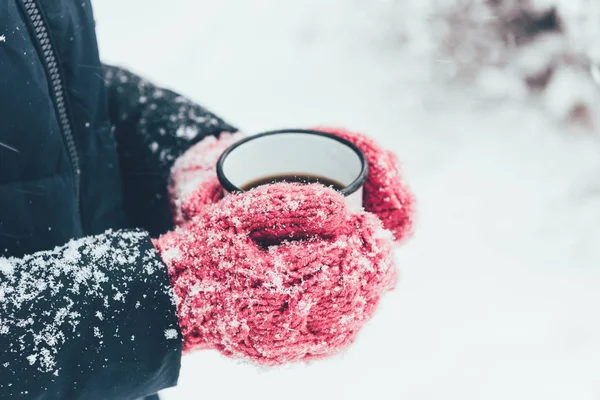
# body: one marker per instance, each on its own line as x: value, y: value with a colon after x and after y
x: 86, y: 148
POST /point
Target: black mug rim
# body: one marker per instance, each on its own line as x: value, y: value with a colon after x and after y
x: 346, y: 191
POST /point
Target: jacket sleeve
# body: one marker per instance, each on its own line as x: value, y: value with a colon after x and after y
x: 94, y: 320
x: 153, y: 127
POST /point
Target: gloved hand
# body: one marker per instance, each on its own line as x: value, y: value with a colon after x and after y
x: 278, y: 274
x: 194, y: 182
x: 384, y: 193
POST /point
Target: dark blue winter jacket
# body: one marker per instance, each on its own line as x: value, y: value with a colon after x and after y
x: 83, y: 148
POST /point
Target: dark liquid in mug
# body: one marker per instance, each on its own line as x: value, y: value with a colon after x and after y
x: 305, y: 179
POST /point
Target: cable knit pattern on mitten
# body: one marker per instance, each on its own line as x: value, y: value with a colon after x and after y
x: 278, y: 274
x: 385, y: 195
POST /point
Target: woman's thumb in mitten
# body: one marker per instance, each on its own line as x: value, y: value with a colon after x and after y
x: 283, y: 211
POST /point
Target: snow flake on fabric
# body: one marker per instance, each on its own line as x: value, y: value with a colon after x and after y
x: 166, y: 123
x: 259, y: 278
x: 64, y: 276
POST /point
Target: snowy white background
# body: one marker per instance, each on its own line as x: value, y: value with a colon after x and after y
x: 500, y: 289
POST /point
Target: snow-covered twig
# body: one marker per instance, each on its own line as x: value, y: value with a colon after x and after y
x: 542, y: 44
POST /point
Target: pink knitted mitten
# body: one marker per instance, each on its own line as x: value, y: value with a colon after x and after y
x: 278, y: 274
x: 194, y: 183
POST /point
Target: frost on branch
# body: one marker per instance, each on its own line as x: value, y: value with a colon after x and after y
x: 544, y: 48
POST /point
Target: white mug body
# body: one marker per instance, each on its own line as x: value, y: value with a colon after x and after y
x: 295, y: 152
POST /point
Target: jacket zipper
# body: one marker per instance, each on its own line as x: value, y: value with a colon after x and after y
x: 57, y: 87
